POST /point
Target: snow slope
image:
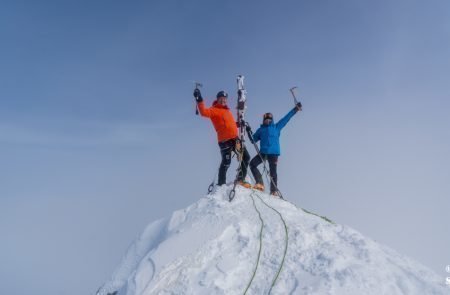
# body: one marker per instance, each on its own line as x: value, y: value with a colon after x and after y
x: 261, y: 245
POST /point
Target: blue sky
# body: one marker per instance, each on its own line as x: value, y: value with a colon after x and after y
x: 98, y: 135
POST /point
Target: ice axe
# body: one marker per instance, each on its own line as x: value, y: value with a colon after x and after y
x: 197, y: 86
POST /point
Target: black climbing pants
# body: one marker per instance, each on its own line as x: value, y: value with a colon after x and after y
x: 226, y: 148
x: 273, y: 161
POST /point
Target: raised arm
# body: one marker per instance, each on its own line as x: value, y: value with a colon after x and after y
x: 280, y: 125
x: 203, y: 110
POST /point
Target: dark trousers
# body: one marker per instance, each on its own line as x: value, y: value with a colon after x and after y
x: 273, y: 161
x: 226, y: 148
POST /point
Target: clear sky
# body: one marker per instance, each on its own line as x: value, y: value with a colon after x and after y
x: 98, y: 135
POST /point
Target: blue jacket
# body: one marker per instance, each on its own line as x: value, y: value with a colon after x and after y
x: 270, y: 135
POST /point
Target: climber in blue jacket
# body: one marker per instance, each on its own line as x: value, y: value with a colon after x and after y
x: 269, y: 136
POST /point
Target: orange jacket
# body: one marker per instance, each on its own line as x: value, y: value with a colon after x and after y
x: 222, y: 119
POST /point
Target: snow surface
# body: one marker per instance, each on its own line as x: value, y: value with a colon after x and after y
x: 213, y: 246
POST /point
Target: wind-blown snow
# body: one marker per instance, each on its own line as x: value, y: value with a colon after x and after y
x: 212, y: 247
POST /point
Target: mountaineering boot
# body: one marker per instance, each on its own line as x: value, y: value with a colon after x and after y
x: 275, y: 194
x: 259, y: 186
x: 244, y: 184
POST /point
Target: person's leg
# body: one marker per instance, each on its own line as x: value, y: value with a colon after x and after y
x: 254, y: 163
x: 273, y: 162
x: 244, y: 164
x: 225, y: 151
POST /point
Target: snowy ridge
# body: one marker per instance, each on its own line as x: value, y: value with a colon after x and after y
x: 261, y: 245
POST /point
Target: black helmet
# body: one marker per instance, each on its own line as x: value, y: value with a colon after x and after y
x: 268, y: 116
x: 222, y: 94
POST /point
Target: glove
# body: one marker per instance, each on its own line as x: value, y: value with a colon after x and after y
x: 198, y: 95
x: 298, y: 106
x: 249, y: 130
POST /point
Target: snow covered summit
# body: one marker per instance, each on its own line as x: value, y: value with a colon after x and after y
x: 261, y: 245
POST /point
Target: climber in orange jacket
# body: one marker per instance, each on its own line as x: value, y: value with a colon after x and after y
x: 227, y: 135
